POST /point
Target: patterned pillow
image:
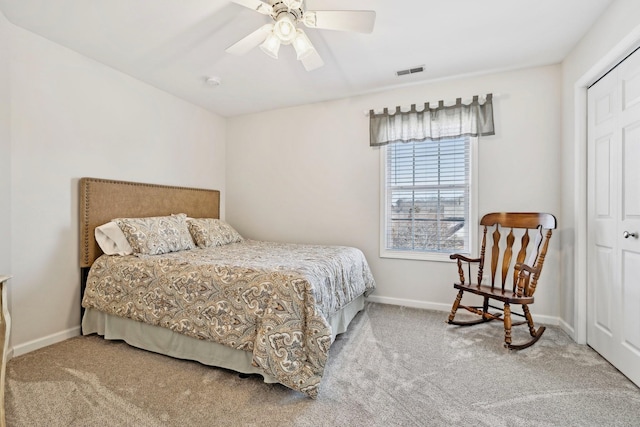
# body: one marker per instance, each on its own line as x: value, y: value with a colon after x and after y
x: 156, y: 235
x: 212, y: 232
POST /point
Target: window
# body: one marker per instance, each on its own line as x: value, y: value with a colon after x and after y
x: 428, y: 207
x: 429, y: 185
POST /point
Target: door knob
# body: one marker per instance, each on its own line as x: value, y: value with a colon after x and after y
x: 626, y: 234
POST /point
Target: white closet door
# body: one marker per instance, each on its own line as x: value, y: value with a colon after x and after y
x: 614, y: 217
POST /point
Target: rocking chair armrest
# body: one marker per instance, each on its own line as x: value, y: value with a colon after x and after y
x: 525, y: 287
x: 460, y: 259
x: 522, y: 267
x: 463, y: 258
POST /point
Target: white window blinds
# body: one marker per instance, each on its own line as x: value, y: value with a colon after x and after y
x: 428, y: 196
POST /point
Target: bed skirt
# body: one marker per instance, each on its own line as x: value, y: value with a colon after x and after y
x: 164, y: 341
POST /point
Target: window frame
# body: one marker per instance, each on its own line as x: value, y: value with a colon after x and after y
x: 473, y: 212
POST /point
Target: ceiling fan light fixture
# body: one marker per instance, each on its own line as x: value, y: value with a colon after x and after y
x: 287, y: 15
x: 302, y: 45
x: 285, y: 29
x: 271, y: 45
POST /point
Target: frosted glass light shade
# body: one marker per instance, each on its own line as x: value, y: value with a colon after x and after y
x: 271, y: 45
x: 302, y: 45
x: 285, y: 29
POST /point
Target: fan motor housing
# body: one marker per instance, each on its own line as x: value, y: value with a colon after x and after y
x: 279, y: 8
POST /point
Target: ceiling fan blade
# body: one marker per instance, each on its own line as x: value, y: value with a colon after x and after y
x: 257, y: 5
x: 249, y: 42
x: 361, y: 21
x: 312, y: 61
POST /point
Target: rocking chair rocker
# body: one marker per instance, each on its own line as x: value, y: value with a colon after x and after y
x: 525, y: 272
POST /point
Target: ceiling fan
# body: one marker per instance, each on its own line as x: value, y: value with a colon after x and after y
x: 287, y: 14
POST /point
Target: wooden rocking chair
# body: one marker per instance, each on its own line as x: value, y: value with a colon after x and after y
x: 524, y: 276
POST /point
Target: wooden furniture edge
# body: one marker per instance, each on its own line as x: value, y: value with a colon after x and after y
x: 5, y: 332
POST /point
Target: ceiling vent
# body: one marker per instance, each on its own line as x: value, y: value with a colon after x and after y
x: 410, y: 71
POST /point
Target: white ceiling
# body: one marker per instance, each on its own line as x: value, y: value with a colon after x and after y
x: 175, y: 44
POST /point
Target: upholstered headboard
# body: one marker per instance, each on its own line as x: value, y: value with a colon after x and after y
x: 102, y: 200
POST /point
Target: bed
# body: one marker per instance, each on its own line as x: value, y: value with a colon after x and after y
x: 253, y: 307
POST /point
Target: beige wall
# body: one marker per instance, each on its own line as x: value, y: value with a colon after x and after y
x: 307, y: 174
x: 74, y: 117
x: 5, y: 146
x: 608, y: 41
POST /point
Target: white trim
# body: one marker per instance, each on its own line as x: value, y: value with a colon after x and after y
x: 426, y: 305
x: 567, y: 328
x: 39, y: 343
x: 383, y: 200
x: 416, y: 256
x: 436, y: 306
x: 580, y: 214
x: 474, y: 196
x: 601, y: 67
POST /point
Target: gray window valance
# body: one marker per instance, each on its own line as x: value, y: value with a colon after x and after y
x: 474, y: 119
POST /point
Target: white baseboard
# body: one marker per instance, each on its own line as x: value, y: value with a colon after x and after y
x: 568, y: 329
x: 30, y: 346
x: 410, y: 303
x: 547, y: 320
x: 39, y: 343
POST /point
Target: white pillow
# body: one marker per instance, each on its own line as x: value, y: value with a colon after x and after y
x: 112, y: 240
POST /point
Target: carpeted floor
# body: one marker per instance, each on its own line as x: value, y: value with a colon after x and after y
x: 394, y: 367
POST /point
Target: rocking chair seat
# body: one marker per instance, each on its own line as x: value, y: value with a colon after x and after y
x: 495, y: 293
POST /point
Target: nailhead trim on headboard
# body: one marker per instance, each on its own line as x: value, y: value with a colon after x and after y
x: 102, y: 200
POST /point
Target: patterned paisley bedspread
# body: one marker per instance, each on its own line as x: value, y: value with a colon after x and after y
x: 271, y: 299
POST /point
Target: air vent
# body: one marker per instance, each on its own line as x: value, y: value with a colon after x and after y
x: 410, y: 71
